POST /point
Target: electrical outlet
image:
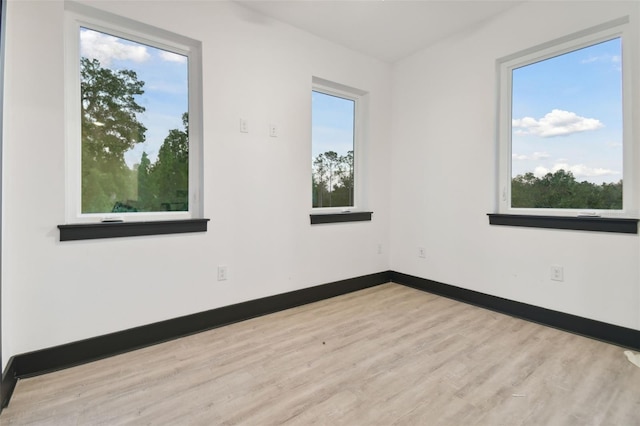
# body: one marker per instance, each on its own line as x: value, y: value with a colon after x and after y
x: 222, y: 272
x: 244, y: 125
x: 273, y: 130
x: 379, y: 248
x: 557, y: 273
x: 422, y: 252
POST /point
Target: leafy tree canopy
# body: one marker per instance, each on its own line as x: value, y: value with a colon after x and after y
x: 110, y: 128
x: 332, y: 180
x: 560, y: 190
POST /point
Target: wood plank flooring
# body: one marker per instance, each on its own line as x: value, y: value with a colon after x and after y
x: 388, y: 355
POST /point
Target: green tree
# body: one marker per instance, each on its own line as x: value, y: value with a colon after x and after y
x: 319, y: 181
x: 332, y: 161
x: 147, y: 198
x: 171, y: 170
x: 332, y: 180
x: 523, y: 190
x: 109, y: 128
x: 611, y: 196
x: 560, y: 190
x: 343, y: 190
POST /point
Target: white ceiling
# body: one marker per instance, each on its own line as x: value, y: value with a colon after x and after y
x: 388, y: 30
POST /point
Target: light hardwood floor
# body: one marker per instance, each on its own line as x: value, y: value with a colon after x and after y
x: 381, y: 356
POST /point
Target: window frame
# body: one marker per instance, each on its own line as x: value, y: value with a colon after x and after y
x: 619, y: 28
x: 360, y: 99
x: 79, y: 16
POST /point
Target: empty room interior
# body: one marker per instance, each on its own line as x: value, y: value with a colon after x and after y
x: 333, y: 212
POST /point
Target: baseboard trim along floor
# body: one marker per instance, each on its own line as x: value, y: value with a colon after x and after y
x: 9, y: 382
x: 75, y: 353
x: 605, y: 332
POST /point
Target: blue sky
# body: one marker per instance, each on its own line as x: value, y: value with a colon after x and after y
x: 166, y: 84
x: 332, y: 126
x: 567, y: 113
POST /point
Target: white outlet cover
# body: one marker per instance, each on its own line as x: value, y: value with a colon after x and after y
x: 222, y: 273
x: 557, y: 273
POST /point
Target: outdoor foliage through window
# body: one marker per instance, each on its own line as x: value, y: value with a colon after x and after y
x: 566, y: 130
x: 135, y: 126
x: 333, y: 129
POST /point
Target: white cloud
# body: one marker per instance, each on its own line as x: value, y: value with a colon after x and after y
x: 579, y: 170
x: 540, y: 171
x: 173, y: 57
x: 556, y: 123
x: 535, y: 156
x: 590, y: 59
x: 602, y: 58
x: 614, y: 60
x: 106, y: 48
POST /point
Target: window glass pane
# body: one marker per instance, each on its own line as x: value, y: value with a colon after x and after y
x: 135, y: 151
x: 332, y: 133
x: 567, y: 130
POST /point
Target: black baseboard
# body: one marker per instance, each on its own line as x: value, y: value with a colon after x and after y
x: 68, y: 355
x: 64, y: 356
x: 605, y: 332
x: 9, y: 381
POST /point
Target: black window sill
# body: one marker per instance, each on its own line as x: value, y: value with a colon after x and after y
x: 598, y: 224
x: 90, y: 231
x: 340, y: 217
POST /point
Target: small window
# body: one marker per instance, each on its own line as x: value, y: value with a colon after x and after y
x: 565, y: 142
x: 134, y: 121
x: 335, y: 135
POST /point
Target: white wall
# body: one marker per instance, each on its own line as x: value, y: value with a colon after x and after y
x: 257, y: 188
x: 443, y: 171
x: 435, y: 192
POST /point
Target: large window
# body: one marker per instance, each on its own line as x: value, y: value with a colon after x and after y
x: 134, y: 122
x: 335, y: 134
x: 564, y: 130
